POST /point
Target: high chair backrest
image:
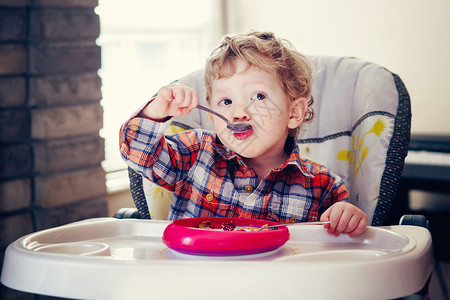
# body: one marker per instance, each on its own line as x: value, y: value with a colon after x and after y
x: 360, y: 131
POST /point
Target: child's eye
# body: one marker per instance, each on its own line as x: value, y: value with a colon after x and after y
x: 225, y: 102
x: 258, y: 96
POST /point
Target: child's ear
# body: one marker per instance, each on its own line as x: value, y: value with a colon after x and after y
x: 298, y: 111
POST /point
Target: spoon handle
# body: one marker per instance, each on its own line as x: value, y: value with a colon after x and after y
x: 213, y: 112
x: 308, y: 223
x: 299, y: 223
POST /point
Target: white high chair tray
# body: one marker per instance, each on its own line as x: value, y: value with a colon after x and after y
x: 109, y: 258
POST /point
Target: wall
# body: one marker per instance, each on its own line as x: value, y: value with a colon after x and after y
x: 410, y: 38
x: 50, y: 117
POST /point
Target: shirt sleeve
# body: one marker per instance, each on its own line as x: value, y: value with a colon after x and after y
x: 335, y: 191
x: 146, y: 149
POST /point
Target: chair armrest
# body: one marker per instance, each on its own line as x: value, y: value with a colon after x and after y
x: 416, y: 220
x: 127, y: 213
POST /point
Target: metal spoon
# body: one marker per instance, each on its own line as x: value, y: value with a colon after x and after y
x: 299, y: 223
x: 236, y: 127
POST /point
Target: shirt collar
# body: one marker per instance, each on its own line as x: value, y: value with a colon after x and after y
x: 223, y: 151
x: 293, y: 160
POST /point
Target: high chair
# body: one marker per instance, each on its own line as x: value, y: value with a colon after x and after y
x: 360, y: 131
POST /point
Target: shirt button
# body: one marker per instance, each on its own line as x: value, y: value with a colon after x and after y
x: 134, y: 127
x: 249, y: 189
x: 209, y: 197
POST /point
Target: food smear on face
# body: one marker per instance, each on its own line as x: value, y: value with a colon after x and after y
x: 230, y: 227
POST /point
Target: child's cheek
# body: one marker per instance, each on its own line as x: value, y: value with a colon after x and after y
x: 220, y: 126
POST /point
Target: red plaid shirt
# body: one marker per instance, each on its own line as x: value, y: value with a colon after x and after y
x: 209, y: 180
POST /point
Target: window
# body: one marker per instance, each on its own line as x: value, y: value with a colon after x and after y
x: 145, y: 45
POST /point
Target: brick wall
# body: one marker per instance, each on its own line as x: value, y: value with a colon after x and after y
x: 50, y: 117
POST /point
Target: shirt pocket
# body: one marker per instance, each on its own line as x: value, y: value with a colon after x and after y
x: 287, y: 209
x: 210, y: 204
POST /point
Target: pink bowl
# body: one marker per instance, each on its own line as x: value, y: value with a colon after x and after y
x: 184, y: 236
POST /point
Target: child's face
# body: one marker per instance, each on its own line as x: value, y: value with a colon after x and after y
x: 257, y: 98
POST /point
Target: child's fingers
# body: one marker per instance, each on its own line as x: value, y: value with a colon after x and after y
x: 360, y: 227
x: 178, y: 94
x: 325, y: 217
x: 165, y: 94
x: 184, y: 97
x: 178, y: 99
x: 335, y: 216
x: 353, y: 223
x: 345, y: 218
x: 342, y: 223
x: 358, y: 222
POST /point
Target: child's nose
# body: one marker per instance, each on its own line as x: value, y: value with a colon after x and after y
x: 241, y: 113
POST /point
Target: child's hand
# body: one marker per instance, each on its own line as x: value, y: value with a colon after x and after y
x: 345, y: 218
x: 172, y: 100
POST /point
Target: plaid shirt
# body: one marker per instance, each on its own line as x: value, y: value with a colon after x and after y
x: 209, y: 180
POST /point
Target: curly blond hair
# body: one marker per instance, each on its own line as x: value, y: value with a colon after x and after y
x: 270, y: 54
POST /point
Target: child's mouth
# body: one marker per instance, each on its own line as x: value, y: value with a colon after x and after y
x: 243, y: 135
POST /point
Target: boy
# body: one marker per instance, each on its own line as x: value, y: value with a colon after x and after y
x: 258, y: 80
